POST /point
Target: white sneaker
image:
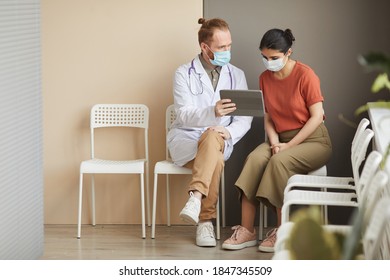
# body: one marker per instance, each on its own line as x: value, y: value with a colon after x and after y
x: 205, y: 235
x: 190, y: 212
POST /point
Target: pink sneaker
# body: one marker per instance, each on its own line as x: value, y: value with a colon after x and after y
x: 240, y: 239
x: 269, y: 242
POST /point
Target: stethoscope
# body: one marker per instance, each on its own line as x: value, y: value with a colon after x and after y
x: 195, y: 83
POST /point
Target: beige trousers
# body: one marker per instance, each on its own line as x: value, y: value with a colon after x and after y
x: 206, y: 172
x: 264, y: 177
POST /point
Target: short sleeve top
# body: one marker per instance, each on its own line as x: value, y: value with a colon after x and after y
x: 287, y: 101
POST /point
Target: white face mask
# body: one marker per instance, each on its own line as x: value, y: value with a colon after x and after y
x: 274, y: 65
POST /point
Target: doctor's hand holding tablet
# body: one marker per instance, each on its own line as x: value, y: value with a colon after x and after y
x: 224, y: 107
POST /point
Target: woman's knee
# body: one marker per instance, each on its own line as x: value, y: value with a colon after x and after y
x: 258, y: 155
x: 277, y: 162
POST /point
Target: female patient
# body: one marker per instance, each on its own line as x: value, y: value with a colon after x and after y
x: 298, y: 141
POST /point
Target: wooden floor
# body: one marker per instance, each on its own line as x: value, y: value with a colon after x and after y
x: 120, y: 242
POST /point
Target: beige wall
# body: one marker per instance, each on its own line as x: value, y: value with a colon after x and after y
x: 108, y: 51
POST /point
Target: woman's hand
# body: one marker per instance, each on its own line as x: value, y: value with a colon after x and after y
x: 279, y: 147
x: 225, y: 134
x: 224, y: 107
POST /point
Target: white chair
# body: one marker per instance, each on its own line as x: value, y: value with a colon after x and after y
x: 366, y: 214
x: 369, y: 190
x: 324, y: 183
x: 167, y: 167
x: 304, y: 196
x: 116, y: 115
x: 357, y: 157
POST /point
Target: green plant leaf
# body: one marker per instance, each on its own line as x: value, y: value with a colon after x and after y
x: 375, y: 61
x: 361, y: 109
x: 382, y: 81
x: 376, y: 104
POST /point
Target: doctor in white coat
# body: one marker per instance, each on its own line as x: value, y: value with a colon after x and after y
x: 202, y: 136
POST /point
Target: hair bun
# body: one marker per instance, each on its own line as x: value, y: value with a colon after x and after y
x: 289, y: 34
x: 201, y: 20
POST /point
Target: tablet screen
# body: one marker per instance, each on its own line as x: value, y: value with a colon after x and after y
x: 248, y: 102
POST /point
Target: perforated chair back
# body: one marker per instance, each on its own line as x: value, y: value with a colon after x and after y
x: 119, y: 115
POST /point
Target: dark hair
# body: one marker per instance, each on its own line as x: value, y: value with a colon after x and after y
x: 277, y: 39
x: 208, y: 27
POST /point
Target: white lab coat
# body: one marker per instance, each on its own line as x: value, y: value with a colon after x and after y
x: 195, y: 112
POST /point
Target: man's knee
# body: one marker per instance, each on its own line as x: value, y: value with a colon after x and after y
x: 211, y: 139
x: 210, y: 135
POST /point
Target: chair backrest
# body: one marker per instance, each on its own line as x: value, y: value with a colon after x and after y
x: 359, y: 153
x: 363, y: 124
x: 119, y: 115
x: 374, y: 191
x: 170, y: 116
x: 371, y: 166
x: 376, y: 237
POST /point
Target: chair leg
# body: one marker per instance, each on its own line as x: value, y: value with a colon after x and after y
x: 93, y: 200
x: 80, y: 206
x: 142, y: 205
x: 261, y: 221
x: 218, y: 226
x: 223, y: 199
x: 147, y: 191
x: 324, y: 209
x: 168, y: 203
x: 154, y: 206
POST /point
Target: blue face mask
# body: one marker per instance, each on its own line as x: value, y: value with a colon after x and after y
x: 221, y: 58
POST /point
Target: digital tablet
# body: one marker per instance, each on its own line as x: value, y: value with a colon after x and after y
x: 248, y: 102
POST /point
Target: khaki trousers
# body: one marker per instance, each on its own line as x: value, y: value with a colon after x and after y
x: 264, y: 177
x: 206, y: 172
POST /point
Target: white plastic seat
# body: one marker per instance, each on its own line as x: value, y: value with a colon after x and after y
x: 368, y: 195
x: 304, y: 196
x: 116, y: 115
x: 365, y: 207
x: 167, y: 167
x: 357, y: 158
x: 324, y: 183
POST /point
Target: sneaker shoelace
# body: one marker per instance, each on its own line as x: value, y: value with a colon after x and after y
x: 236, y: 233
x: 206, y: 230
x: 271, y: 235
x: 191, y: 203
